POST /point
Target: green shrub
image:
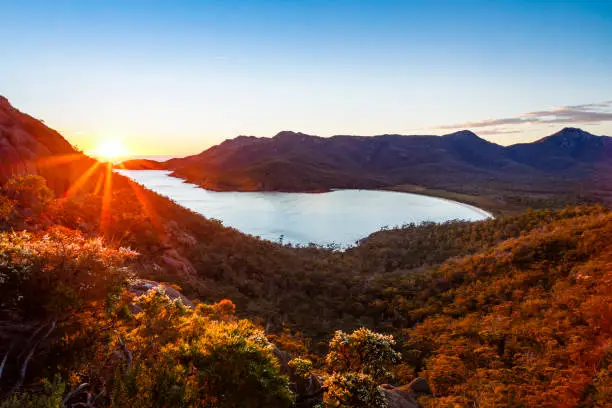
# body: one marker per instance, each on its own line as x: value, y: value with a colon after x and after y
x: 184, y: 358
x: 50, y: 397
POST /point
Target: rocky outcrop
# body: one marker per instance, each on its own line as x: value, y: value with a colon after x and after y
x: 25, y: 141
x: 28, y: 146
x: 26, y: 138
x: 396, y: 398
x: 405, y: 396
x: 419, y: 387
x: 141, y: 286
x: 179, y: 264
x: 307, y: 389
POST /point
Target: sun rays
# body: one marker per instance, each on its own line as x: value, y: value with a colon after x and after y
x: 56, y: 160
x: 147, y: 207
x: 107, y: 196
x: 99, y: 179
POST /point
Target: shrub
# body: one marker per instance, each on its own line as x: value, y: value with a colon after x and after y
x: 363, y: 351
x: 353, y: 390
x: 25, y: 199
x: 301, y: 366
x: 50, y: 397
x: 186, y: 358
x: 50, y: 273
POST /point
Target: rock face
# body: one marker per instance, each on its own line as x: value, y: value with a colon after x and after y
x: 397, y: 398
x: 178, y: 263
x: 405, y: 396
x: 28, y: 146
x: 419, y: 387
x: 26, y: 138
x: 141, y: 286
x: 308, y: 390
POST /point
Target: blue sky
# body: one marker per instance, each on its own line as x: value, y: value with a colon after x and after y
x: 174, y: 77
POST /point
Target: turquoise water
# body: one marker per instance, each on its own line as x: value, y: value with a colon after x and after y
x: 339, y: 217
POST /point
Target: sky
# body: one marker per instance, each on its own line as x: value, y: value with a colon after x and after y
x: 176, y: 77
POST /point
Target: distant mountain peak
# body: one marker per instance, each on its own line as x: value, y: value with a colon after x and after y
x: 286, y: 134
x: 571, y: 129
x: 238, y: 141
x: 463, y: 134
x: 241, y: 138
x: 570, y: 135
x: 574, y: 132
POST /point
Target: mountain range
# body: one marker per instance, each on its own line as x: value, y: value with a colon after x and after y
x: 571, y: 162
x: 571, y: 166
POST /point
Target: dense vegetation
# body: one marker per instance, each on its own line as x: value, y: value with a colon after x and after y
x: 515, y: 311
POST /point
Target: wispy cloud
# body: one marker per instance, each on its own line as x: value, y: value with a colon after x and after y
x: 576, y: 114
x: 498, y: 132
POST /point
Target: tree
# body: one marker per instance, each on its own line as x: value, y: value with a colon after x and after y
x: 51, y: 396
x: 196, y: 358
x: 7, y: 210
x: 353, y: 390
x: 48, y: 274
x: 358, y: 363
x: 363, y: 351
x: 29, y: 196
x: 45, y: 278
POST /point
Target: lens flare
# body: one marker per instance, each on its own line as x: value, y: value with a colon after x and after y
x: 110, y: 150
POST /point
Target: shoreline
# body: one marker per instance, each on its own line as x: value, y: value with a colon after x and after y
x: 487, y: 213
x: 482, y: 211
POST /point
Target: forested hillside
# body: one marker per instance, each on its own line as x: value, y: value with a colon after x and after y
x: 113, y: 296
x: 507, y: 312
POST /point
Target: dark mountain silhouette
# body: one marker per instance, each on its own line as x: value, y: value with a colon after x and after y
x: 570, y: 151
x: 293, y: 161
x: 143, y: 164
x: 571, y: 166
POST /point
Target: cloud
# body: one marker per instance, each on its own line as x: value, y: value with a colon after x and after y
x: 498, y: 132
x: 576, y: 114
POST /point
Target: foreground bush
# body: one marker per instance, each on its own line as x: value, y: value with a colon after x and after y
x: 357, y: 364
x: 51, y: 274
x: 174, y: 356
x: 23, y: 200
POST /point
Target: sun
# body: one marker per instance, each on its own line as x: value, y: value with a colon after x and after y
x: 110, y: 150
